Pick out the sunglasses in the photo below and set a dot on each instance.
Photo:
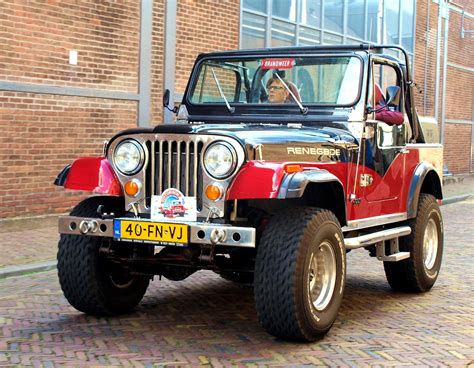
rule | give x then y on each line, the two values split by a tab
275	88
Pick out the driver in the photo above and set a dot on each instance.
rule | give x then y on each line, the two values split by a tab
278	93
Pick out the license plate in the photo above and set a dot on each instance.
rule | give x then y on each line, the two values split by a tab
159	232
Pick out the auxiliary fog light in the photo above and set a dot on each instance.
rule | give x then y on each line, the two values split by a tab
133	187
214	192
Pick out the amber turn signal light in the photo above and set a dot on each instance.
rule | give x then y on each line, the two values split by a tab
214	192
290	169
132	187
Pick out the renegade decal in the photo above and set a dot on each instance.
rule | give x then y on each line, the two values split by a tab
316	151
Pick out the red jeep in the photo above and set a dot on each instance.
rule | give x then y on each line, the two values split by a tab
175	209
295	157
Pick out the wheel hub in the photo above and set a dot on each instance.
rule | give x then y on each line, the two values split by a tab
322	275
430	244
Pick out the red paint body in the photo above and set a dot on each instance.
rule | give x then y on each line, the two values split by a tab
93	174
387	194
257	179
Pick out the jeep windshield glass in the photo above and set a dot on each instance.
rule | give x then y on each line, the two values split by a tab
310	80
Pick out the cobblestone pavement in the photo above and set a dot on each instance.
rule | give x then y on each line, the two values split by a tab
28	241
206	320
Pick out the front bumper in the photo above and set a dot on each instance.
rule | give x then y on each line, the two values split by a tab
199	232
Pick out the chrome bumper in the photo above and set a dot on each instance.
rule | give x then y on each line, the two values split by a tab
199	232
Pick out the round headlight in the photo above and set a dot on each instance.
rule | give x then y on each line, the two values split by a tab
220	160
129	157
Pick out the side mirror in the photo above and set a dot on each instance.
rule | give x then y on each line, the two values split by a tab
166	101
166	98
393	96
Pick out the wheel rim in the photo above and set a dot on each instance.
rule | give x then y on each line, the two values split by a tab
430	244
322	275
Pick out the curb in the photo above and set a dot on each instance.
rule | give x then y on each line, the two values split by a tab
11	271
20	270
458	198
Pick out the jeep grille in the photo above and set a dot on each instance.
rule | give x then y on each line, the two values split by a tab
175	164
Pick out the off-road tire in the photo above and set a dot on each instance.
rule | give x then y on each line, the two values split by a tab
84	272
411	274
283	272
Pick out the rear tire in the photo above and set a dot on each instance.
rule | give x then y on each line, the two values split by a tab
425	244
90	282
300	274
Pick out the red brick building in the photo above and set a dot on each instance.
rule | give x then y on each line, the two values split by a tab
72	73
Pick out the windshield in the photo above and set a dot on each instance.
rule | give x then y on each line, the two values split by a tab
305	80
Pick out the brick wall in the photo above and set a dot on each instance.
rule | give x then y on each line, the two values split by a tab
41	133
37	37
204	26
459	81
457	139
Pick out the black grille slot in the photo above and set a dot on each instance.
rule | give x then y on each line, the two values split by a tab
174	164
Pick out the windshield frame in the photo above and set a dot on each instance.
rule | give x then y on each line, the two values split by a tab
265	107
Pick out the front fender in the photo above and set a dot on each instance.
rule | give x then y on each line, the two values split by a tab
269	180
91	174
257	180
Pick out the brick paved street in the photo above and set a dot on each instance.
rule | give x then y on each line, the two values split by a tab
205	320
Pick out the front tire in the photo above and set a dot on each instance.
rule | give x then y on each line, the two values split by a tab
425	244
90	282
300	274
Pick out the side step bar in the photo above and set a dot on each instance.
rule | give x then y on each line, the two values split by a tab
378	238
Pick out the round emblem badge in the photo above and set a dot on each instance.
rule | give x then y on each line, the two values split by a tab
172	203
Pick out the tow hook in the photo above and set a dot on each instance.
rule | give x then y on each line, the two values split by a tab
88	226
217	236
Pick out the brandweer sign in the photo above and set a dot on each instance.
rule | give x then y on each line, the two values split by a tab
278	63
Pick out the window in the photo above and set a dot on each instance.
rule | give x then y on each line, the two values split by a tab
333	81
267	23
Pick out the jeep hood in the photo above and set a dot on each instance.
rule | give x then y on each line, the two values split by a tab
273	142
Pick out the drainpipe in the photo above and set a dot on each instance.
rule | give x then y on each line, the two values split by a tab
438	56
171	10
445	72
425	82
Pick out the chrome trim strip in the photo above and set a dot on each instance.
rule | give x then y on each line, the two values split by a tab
170	156
195	174
160	174
152	169
186	192
424	145
379	236
178	164
374	221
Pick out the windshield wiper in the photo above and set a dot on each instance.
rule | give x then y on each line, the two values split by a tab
230	108
303	109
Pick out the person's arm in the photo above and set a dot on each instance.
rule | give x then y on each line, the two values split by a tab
389	117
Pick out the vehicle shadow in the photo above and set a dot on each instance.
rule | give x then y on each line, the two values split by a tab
219	317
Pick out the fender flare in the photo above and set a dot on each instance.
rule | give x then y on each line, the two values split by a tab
294	185
421	172
91	174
